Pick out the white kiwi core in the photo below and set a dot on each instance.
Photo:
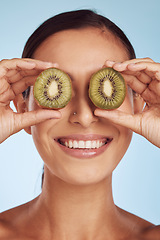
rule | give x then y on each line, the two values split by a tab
107	88
53	89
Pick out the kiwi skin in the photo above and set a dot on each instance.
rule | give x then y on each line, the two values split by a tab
118	96
39	82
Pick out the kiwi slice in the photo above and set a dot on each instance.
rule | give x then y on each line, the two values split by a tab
53	89
107	89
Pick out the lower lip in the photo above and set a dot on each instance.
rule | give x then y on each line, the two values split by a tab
84	153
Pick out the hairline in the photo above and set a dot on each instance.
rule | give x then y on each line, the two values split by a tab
107	33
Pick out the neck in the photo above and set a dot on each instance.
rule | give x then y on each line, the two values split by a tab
78	212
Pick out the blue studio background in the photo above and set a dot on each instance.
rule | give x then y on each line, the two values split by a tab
137	178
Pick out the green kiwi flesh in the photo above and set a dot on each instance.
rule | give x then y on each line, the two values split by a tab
107	88
53	89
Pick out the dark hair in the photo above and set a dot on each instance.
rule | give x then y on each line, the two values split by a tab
73	20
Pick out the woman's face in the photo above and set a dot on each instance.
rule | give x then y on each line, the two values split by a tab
81	148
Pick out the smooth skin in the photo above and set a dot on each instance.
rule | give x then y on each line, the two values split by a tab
76	200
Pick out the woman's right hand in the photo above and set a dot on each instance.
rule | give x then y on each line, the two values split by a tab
16	75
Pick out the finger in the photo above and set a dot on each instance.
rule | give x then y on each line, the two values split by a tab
13	75
14	64
136	75
122	66
41	64
140	75
136	80
151	69
154	86
20	86
151	97
24	63
134	83
132	122
18	74
28	119
8	67
9	92
149	92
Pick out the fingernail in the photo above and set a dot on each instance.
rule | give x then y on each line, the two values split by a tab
118	63
48	63
98	111
57	115
31	63
132	64
108	62
52	114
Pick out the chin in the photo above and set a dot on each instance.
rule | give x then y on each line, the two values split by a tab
81	173
86	160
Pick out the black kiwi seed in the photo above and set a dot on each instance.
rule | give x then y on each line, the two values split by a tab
53	89
107	88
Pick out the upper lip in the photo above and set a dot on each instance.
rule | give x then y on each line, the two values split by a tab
84	137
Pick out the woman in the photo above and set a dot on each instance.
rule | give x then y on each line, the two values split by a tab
76	200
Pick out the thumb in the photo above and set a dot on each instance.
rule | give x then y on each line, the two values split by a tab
27	119
127	120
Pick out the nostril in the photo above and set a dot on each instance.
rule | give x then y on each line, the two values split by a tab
77	122
84	112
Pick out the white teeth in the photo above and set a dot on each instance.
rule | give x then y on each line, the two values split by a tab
81	144
94	144
70	145
75	144
88	144
98	144
84	144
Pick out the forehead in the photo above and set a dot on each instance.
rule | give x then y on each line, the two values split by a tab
81	46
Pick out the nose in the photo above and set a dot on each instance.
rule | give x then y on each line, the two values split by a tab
83	112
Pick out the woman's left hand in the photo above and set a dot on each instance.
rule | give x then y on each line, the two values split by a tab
143	76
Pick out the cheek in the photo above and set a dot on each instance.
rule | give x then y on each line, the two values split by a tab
124	141
43	140
40	139
120	145
130	98
39	132
128	105
31	104
125	133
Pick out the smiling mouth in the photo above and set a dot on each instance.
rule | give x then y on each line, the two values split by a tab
84	144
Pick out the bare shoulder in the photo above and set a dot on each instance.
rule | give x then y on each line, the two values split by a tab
141	229
13	221
6	229
152	233
4	234
8	221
